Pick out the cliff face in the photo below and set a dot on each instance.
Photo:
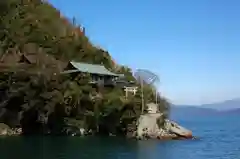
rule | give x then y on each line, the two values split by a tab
148	126
36	43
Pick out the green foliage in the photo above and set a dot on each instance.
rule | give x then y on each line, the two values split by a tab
34	26
126	71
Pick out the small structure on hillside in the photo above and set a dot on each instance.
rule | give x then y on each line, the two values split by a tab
152	108
98	73
130	89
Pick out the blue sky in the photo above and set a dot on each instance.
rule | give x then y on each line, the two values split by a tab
194	46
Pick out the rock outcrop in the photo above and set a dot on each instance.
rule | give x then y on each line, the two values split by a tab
148	126
5	130
173	127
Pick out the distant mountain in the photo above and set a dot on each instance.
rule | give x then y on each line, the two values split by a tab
185	111
232	111
224	106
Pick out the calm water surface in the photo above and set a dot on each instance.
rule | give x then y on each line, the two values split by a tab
220	139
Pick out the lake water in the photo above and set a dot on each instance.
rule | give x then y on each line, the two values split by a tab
219	139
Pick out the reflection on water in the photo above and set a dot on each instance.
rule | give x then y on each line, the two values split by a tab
219	139
145	149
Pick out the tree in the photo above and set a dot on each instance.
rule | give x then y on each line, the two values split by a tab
38	92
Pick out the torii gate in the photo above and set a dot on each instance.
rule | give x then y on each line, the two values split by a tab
130	89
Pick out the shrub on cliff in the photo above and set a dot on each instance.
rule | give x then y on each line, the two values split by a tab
38	94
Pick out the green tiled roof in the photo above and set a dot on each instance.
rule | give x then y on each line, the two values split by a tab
90	68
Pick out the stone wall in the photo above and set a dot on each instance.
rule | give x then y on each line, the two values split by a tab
148	127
